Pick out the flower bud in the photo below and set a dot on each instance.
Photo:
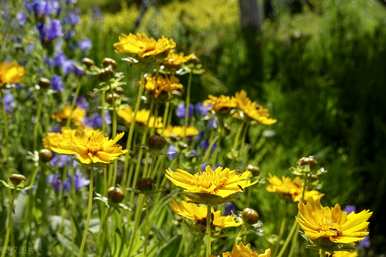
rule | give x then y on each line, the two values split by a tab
45	155
309	160
254	169
250	216
119	90
156	142
106	73
44	83
16	179
112	97
109	62
115	194
145	184
88	62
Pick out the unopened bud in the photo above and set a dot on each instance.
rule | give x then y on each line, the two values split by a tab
45	155
112	97
156	142
16	179
119	90
310	160
88	62
106	73
250	216
254	169
145	184
109	62
115	194
44	83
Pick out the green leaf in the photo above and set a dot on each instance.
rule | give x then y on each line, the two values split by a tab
68	244
170	248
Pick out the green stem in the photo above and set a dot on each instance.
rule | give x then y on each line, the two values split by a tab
89	212
138	212
288	240
5	131
187	100
9	227
208	232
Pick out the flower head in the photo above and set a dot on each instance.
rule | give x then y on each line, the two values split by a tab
175	60
240	250
11	73
178	132
344	254
76	115
331	223
142	117
88	145
198	213
210	186
253	110
220	103
292	188
159	84
143	46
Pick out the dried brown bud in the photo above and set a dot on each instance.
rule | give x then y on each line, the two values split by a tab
44	83
45	155
88	62
109	62
309	160
106	73
16	179
115	194
145	184
250	216
156	142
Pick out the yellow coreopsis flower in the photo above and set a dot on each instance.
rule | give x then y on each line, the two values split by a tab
175	60
88	145
253	110
331	223
11	72
142	117
143	46
159	84
292	188
344	254
178	132
221	103
74	114
210	186
240	250
198	213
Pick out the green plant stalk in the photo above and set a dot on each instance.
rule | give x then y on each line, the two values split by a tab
187	100
89	212
5	131
288	240
281	231
140	201
9	231
208	251
236	141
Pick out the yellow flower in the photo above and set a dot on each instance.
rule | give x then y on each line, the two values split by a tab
176	60
11	72
331	223
240	250
221	103
158	84
345	254
142	45
75	114
198	213
178	131
88	145
210	186
292	188
142	117
253	110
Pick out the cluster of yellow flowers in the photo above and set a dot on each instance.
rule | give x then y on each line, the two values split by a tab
11	73
240	102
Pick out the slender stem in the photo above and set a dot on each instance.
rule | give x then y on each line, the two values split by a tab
187	100
140	202
288	240
9	226
208	231
37	124
5	124
321	253
89	212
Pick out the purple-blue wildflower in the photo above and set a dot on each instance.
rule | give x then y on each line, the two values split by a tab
180	111
172	152
57	83
9	102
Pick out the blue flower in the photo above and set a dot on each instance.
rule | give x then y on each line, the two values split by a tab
43	8
62	161
229	209
82	102
80	181
58	184
72	18
180	111
57	83
213	123
201	109
9	102
21	18
85	45
350	208
365	243
50	30
172	152
55	181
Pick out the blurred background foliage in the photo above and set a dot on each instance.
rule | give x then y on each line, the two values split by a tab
324	78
